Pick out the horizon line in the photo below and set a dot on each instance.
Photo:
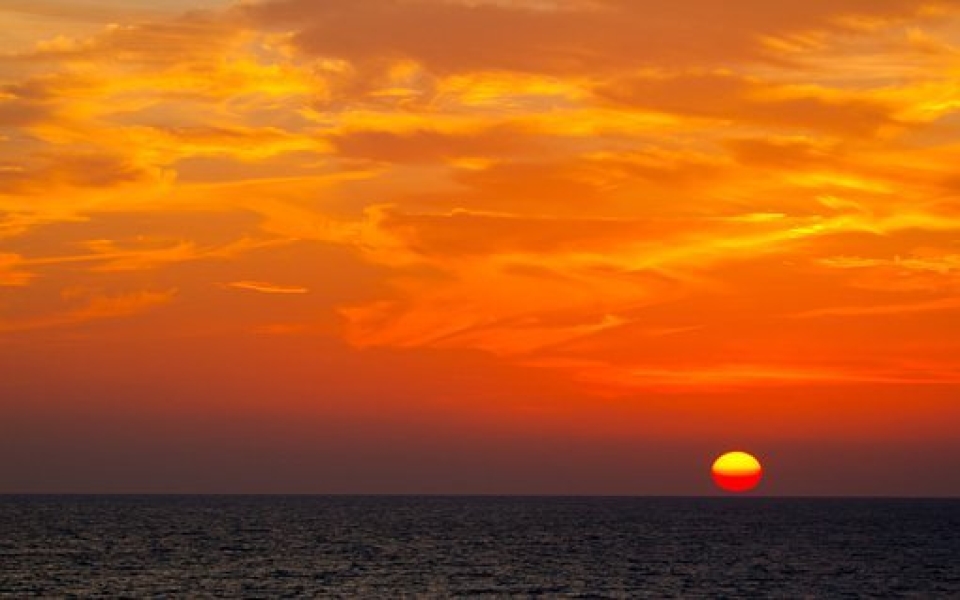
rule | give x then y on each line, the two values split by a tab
485	495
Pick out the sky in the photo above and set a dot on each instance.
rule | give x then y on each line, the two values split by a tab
479	246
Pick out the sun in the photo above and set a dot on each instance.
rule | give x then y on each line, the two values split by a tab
737	471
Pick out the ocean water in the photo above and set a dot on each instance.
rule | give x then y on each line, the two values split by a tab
394	547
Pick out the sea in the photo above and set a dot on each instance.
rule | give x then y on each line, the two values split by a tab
477	547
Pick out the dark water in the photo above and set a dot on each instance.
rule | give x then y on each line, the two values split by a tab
390	547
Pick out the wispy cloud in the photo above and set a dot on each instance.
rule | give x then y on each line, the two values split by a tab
94	307
267	288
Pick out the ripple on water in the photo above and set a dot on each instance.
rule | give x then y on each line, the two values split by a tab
430	546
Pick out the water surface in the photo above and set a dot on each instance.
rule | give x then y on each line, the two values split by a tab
292	546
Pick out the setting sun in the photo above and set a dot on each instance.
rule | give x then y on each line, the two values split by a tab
737	472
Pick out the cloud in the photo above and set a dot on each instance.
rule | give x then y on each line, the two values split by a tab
722	378
724	97
535	180
80	171
940	304
160	42
17	112
796	152
268	288
578	37
426	146
95	307
11	272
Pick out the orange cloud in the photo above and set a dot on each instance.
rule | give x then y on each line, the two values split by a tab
581	36
725	97
11	272
634	193
267	288
95	307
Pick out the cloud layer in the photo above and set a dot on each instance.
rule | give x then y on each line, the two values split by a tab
636	197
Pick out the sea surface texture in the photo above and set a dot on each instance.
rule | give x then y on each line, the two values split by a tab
393	547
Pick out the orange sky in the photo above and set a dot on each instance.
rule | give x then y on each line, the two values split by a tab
491	246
